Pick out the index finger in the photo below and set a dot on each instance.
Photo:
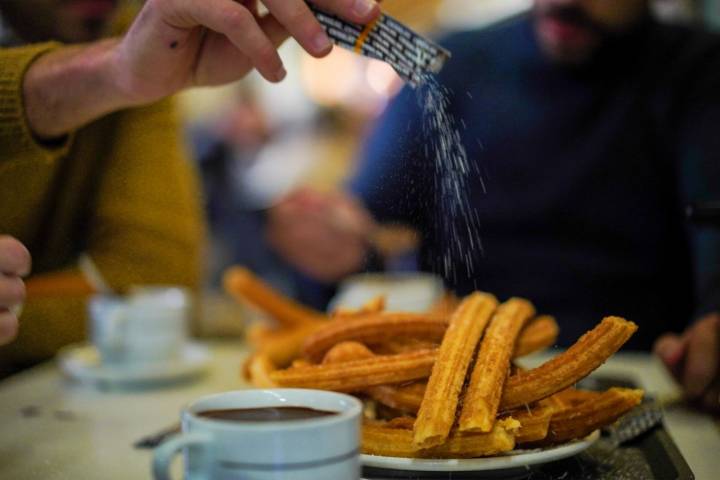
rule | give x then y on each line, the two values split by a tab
297	18
241	27
14	257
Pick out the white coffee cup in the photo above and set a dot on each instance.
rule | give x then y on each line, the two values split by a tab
319	448
148	326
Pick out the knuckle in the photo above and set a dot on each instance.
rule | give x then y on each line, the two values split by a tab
267	54
13	291
16	257
298	14
237	18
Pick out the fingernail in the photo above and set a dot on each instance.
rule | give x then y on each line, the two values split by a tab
321	43
281	73
363	7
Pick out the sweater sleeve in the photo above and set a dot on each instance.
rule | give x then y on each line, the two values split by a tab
147	225
16	139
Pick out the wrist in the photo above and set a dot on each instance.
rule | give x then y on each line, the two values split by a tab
67	88
125	81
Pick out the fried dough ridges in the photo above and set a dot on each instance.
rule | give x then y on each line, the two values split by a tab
581	420
482	395
537	335
359	374
567	368
242	284
437	410
412	371
391	441
373	328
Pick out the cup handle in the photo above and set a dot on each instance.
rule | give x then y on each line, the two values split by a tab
164	454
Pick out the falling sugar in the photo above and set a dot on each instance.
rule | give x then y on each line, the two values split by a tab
453	176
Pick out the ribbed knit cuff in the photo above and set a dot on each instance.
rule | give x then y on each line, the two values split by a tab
16	137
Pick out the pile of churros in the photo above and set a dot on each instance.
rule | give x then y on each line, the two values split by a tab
441	384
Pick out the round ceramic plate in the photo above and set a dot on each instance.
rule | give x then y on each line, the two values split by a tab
510	461
82	362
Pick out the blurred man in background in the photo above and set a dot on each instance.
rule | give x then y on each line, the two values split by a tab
93	177
592	126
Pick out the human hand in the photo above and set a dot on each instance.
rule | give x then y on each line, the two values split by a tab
14	264
324	235
174	44
694	360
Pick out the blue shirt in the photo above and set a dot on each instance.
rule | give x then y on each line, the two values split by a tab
586	172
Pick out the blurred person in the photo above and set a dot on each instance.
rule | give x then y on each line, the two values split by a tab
225	148
93	177
593	126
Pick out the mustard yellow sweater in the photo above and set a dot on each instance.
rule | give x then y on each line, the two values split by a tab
120	190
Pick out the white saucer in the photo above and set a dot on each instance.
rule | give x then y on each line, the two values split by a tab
82	362
517	459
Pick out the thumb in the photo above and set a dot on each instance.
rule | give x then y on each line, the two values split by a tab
671	350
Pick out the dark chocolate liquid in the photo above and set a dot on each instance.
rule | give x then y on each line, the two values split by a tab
265	414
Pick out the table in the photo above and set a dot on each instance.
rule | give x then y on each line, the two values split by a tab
53	428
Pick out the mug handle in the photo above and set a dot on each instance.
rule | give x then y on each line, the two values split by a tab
164	454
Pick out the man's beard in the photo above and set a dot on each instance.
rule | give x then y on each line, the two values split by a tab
576	16
568	34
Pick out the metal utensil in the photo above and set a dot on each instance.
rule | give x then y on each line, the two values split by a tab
642	419
152	441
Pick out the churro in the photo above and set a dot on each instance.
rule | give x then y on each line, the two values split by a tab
572	397
567	368
437	410
242	284
347	352
374	305
482	396
445	306
400	422
403	345
299	363
359	374
372	328
405	398
534	422
538	334
391	441
282	346
257	370
583	419
411	369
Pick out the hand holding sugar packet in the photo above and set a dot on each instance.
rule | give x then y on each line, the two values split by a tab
412	56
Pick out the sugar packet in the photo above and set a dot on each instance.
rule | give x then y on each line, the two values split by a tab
412	56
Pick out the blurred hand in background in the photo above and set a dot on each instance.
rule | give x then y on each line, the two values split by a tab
325	235
14	264
694	360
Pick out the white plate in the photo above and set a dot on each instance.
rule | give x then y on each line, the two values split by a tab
404	292
82	362
513	460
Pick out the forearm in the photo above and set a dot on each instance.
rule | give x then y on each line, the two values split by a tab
72	86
